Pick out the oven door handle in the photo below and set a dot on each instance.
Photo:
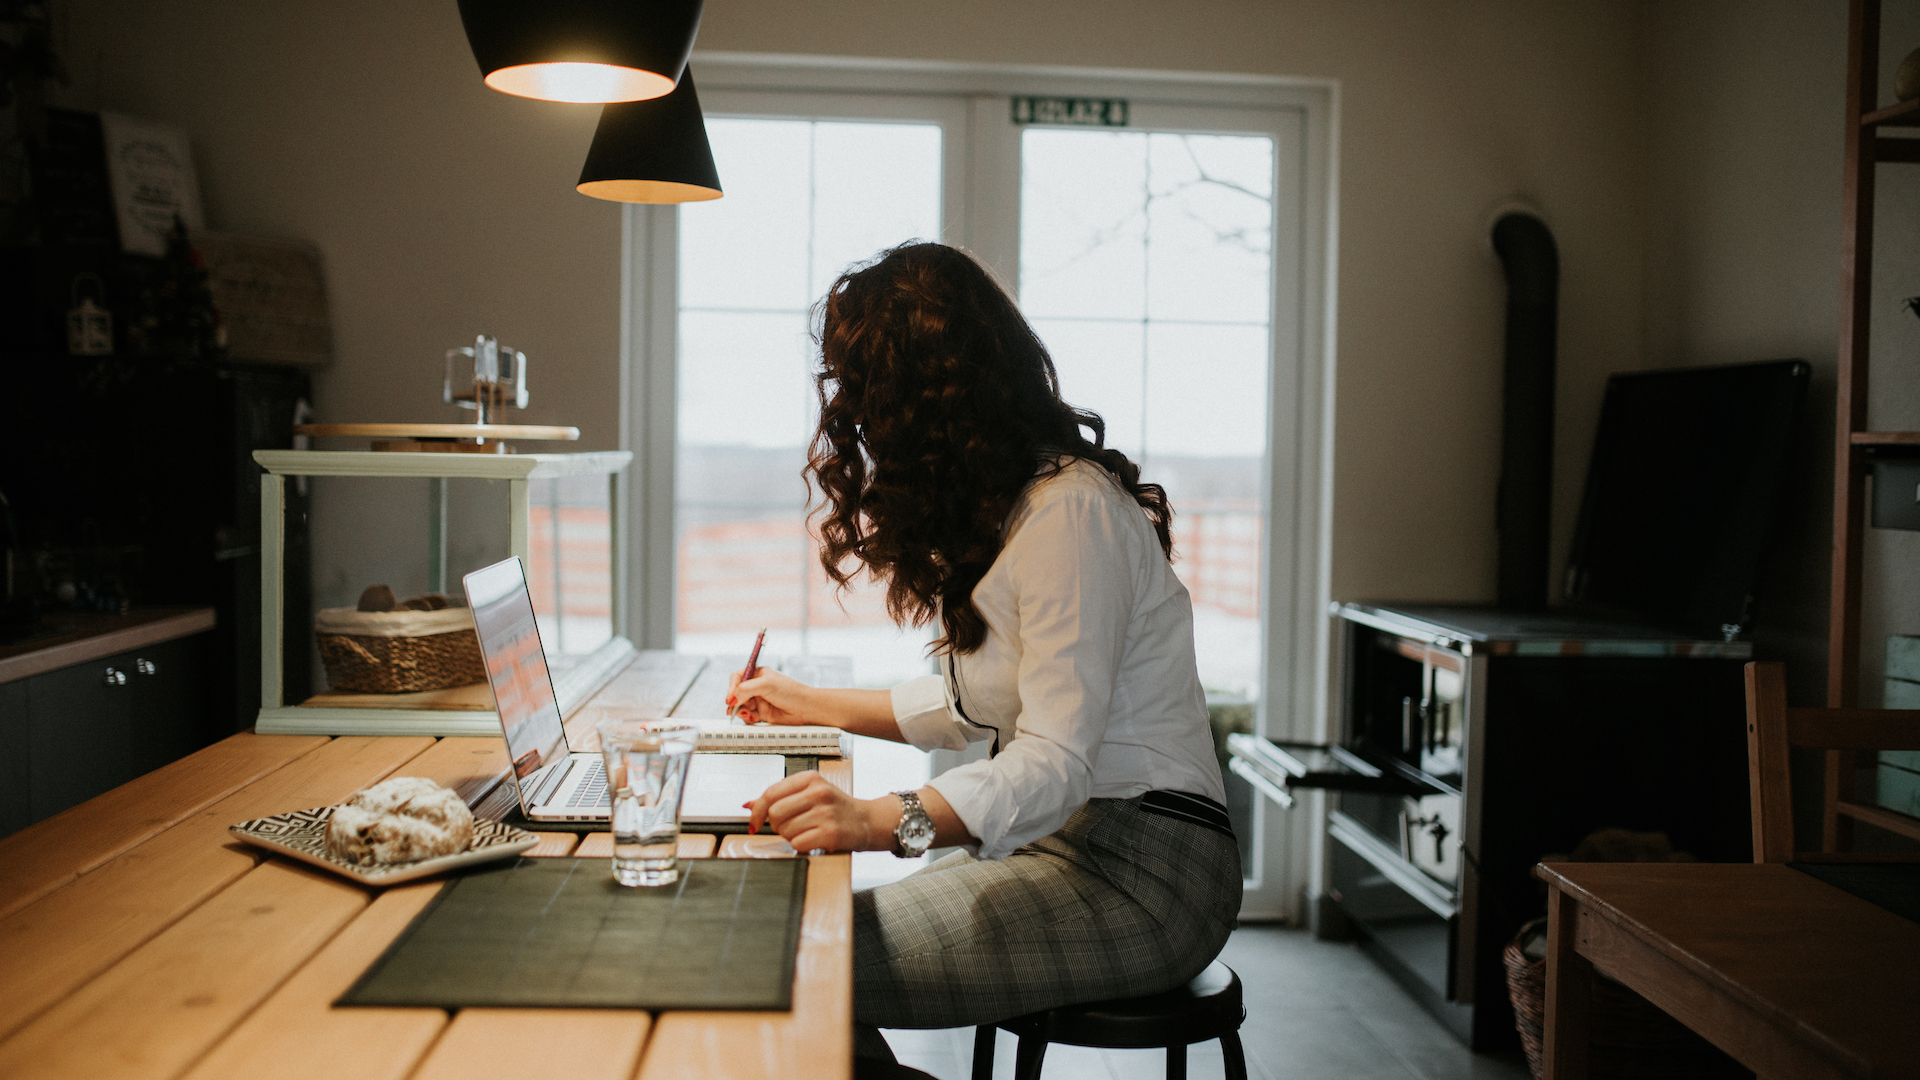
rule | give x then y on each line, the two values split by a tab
1368	785
1276	768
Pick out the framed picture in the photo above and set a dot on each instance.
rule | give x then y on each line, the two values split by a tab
151	168
271	295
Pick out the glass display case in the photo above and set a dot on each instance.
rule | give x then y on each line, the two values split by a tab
562	521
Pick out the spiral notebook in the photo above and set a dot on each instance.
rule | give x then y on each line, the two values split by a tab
732	737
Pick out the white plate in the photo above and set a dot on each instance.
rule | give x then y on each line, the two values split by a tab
303	835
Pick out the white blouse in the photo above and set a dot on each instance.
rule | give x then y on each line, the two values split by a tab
1086	678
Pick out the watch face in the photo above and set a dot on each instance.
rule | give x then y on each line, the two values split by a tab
916	832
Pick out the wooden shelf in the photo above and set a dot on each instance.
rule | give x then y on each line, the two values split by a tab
1891	820
1886	438
1904	114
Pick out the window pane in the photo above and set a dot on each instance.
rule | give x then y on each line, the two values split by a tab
1145	262
570	565
804	199
1211	237
1082	228
875	186
1100	363
764	212
745	380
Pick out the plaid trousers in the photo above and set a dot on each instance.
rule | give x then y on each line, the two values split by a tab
1119	902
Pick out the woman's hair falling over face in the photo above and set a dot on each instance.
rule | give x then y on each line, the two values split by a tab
938	405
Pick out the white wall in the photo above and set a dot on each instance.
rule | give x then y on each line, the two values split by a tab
444	208
1745	107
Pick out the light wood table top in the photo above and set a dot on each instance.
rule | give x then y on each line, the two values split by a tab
142	941
1789	975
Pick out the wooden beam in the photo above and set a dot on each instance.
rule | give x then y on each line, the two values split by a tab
1850	405
1769	773
1854	729
577	1044
1569	991
42	857
57	944
1891	820
155	1012
814	1040
1856	319
297	1034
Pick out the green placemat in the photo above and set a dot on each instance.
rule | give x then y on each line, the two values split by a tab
559	932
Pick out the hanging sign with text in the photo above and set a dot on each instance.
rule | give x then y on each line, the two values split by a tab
1076	112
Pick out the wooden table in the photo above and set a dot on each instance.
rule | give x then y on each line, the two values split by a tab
139	940
1789	975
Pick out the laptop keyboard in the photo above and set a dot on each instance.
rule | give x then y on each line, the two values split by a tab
592	791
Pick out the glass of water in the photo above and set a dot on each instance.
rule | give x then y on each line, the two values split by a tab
646	764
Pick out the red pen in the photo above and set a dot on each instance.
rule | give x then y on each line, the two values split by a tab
753	661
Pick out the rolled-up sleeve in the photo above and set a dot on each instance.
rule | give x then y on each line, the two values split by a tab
1071	567
924	712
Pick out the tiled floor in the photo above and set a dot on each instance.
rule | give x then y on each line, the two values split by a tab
1314	1010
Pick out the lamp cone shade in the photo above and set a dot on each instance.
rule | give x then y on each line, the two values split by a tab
652	151
581	50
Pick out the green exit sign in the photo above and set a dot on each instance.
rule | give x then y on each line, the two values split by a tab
1077	112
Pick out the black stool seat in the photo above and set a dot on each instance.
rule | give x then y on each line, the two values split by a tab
1207	1007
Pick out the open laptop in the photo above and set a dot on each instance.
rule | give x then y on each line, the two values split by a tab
554	782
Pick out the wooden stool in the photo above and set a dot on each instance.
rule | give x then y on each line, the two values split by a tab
1207	1007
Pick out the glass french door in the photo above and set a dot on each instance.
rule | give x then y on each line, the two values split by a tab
805	199
1146	265
1161	265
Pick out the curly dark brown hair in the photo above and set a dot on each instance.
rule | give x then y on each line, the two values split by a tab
938	406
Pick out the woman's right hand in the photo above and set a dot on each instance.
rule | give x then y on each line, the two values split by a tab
772	698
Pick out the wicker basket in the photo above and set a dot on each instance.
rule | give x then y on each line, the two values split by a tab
1627	1035
405	652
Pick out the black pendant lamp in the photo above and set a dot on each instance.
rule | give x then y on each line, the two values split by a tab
652	151
581	50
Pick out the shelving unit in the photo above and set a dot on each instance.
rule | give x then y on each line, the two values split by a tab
1854	445
460	711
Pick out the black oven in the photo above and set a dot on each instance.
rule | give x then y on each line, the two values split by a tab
1468	744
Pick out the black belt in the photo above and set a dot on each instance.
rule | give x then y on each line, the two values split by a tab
1197	809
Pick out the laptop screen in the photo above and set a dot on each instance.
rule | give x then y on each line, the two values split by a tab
516	666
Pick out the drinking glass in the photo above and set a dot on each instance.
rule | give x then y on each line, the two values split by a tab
646	777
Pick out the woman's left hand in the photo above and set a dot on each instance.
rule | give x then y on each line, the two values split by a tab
812	814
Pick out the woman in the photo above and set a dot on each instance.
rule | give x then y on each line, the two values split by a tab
1097	860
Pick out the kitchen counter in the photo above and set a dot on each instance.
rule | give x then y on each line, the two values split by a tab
77	637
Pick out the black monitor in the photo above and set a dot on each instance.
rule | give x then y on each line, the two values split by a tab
1683	491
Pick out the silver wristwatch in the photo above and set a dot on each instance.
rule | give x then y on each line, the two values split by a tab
914	834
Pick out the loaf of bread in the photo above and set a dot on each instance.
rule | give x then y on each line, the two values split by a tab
404	819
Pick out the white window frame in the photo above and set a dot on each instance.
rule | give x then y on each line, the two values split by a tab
980	211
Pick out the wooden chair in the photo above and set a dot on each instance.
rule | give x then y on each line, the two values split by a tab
1207	1007
1774	728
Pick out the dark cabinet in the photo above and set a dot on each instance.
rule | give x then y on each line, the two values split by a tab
146	469
83	730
